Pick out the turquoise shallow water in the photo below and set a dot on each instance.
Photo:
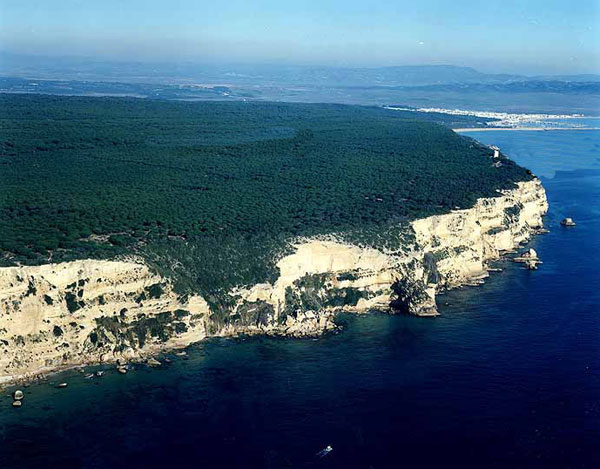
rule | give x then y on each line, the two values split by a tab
508	376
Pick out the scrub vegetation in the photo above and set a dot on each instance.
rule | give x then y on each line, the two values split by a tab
211	193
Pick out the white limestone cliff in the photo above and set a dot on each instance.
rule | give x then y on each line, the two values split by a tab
59	315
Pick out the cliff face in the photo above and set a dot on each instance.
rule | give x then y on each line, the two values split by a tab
449	250
460	243
60	315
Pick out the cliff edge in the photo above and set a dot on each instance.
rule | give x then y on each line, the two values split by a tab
60	315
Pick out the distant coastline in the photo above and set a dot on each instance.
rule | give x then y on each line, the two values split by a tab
536	129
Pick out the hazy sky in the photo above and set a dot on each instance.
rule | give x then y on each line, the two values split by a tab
527	36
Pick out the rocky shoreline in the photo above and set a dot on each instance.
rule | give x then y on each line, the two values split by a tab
59	316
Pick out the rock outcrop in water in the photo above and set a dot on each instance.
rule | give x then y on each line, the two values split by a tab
59	315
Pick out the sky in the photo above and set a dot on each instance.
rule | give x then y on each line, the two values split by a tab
526	36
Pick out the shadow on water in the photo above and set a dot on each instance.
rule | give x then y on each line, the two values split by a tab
508	376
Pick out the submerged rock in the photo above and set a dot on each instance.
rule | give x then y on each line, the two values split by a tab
531	265
153	362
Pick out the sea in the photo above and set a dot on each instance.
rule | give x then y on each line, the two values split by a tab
507	376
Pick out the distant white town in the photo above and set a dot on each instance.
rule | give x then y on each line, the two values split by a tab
502	119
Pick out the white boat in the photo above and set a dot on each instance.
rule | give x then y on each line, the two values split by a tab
325	451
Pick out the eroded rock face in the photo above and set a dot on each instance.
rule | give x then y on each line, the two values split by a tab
450	250
89	311
462	242
58	315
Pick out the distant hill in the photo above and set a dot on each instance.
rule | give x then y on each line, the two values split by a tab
415	85
533	86
587	77
76	68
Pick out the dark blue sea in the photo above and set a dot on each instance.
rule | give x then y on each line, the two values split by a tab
507	376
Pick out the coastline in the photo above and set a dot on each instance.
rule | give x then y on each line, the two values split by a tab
535	129
450	250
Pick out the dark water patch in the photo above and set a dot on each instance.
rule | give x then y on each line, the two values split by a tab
507	376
